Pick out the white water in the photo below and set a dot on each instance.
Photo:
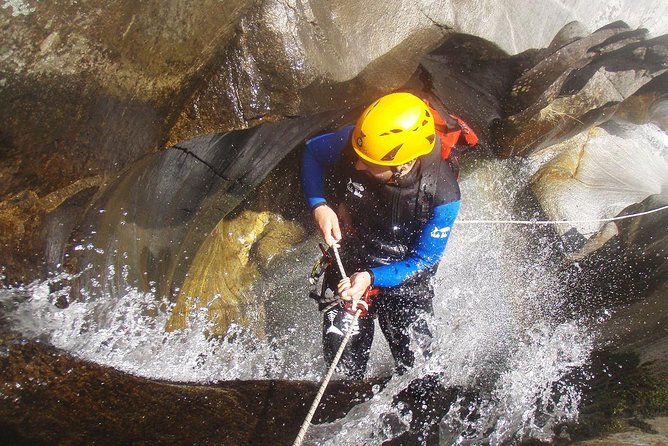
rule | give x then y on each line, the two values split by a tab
495	331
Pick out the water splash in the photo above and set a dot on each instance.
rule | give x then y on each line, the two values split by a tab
497	331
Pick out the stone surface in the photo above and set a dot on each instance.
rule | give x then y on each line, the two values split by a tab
621	287
49	397
639	254
469	77
598	173
294	58
158	226
578	86
24	223
226	266
617	269
92	87
635	436
517	25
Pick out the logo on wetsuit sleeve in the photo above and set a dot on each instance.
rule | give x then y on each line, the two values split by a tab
440	232
355	188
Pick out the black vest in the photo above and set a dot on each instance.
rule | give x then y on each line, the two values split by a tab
388	218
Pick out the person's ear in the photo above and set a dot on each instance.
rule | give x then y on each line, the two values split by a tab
405	167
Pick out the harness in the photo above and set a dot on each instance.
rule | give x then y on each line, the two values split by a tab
320	292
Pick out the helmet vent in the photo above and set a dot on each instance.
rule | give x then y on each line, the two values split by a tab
389	156
431	138
391	131
426	112
424	122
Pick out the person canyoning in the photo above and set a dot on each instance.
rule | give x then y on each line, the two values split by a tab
381	192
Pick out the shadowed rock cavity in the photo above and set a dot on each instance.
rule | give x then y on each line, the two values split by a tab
146	229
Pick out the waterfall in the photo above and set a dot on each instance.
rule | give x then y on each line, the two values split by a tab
497	328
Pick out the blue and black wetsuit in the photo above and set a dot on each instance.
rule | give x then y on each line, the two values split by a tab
400	230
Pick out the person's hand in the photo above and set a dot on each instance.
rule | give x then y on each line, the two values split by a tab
363	305
354	287
328	223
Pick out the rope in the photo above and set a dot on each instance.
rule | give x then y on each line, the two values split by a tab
346	338
556	222
325	381
335	248
330	372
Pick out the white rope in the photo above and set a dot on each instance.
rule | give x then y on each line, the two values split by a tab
325	381
335	248
556	222
346	338
330	372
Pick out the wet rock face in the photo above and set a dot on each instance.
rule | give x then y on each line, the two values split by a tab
95	83
92	87
296	58
627	278
159	227
513	24
52	398
616	270
577	83
598	173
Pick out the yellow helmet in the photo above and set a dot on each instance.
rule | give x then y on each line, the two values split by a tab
394	130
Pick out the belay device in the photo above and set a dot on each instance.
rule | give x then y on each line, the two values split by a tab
322	291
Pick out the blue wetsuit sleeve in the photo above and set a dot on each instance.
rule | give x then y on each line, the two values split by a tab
427	251
321	151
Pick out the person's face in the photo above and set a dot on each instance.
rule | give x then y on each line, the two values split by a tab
380	173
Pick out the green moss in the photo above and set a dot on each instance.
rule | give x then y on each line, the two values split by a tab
646	394
619	393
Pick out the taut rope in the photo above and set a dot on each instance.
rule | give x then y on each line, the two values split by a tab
330	372
556	222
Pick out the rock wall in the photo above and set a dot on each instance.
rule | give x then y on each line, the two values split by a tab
94	90
577	82
92	87
517	25
53	398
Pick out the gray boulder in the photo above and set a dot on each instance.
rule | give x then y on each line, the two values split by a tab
573	87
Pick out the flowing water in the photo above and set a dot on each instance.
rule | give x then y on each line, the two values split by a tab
497	329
